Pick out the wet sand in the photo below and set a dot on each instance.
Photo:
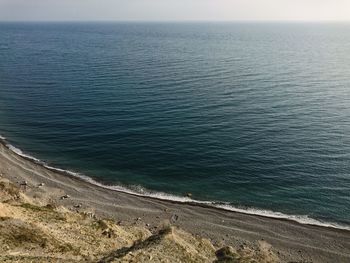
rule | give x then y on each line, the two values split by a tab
292	241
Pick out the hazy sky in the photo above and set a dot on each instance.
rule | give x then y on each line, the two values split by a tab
174	10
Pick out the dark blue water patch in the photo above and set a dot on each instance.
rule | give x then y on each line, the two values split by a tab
256	115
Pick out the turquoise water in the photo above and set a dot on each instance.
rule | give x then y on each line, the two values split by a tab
255	116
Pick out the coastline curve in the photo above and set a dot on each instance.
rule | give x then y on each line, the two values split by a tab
141	192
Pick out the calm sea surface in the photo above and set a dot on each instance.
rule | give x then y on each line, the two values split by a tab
253	115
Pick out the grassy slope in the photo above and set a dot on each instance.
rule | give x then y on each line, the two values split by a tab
32	232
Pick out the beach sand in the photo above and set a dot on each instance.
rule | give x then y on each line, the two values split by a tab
291	241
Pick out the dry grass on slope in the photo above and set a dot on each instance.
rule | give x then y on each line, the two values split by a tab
30	232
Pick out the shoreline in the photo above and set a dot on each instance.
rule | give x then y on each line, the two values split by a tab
293	240
301	219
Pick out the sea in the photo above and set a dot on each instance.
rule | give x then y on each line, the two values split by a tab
246	116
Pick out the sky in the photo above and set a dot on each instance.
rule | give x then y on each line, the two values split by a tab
174	10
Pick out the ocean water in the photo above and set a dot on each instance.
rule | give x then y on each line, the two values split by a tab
250	116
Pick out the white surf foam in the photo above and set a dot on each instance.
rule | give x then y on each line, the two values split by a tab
302	219
20	153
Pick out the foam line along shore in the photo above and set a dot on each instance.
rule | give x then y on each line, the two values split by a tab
142	192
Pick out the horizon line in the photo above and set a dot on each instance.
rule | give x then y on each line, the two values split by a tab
174	21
